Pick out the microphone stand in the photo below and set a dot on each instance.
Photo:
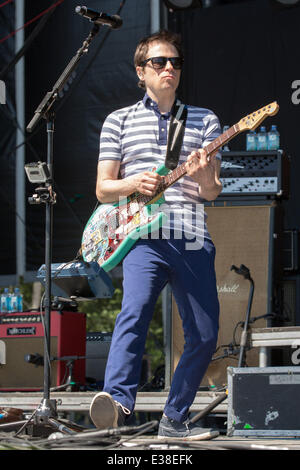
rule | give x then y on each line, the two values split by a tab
244	271
46	412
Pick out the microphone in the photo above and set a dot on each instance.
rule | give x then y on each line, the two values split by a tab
242	270
35	359
114	21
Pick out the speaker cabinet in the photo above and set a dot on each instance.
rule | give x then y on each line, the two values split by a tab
248	235
22	334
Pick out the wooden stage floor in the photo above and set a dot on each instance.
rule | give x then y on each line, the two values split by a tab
72	403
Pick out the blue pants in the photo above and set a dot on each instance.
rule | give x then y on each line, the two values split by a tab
146	269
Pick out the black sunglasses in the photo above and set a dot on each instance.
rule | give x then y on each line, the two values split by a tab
161	62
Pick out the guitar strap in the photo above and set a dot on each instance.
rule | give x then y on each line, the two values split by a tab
176	133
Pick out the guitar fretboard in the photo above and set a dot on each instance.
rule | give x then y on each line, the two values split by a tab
222	139
180	171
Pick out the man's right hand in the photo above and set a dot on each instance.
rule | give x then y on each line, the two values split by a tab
110	187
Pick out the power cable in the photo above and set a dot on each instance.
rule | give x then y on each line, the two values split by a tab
27	43
30	21
5	3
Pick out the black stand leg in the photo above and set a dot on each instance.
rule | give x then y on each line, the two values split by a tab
245	272
44	419
48	261
47	411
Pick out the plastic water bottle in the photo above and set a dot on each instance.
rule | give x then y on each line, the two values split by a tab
14	302
225	148
3	307
262	139
273	138
17	301
6	301
251	141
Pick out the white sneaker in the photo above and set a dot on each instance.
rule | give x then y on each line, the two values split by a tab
105	412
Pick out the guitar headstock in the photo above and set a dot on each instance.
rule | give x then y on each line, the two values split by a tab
254	119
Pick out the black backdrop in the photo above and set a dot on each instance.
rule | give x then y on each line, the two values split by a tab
7	147
104	80
240	57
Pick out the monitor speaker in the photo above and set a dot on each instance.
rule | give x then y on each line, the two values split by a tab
97	349
248	235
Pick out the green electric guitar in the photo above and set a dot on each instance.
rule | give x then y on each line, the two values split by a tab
113	229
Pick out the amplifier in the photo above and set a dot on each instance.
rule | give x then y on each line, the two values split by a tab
233	227
261	173
97	349
22	338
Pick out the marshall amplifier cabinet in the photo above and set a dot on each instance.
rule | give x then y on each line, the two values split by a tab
260	174
22	349
248	234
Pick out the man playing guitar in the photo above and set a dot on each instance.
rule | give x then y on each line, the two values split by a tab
134	141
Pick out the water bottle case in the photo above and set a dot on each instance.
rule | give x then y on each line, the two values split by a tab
11	303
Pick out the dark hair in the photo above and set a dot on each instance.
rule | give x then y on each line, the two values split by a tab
161	36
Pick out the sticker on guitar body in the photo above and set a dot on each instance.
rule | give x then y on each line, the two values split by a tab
113	228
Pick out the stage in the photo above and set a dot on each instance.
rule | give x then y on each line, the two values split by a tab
133	438
68	402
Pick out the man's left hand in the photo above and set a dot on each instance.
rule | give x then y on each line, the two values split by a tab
202	167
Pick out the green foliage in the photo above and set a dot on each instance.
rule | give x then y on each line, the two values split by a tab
101	313
101	316
26	290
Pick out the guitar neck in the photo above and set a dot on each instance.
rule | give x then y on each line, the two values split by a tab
180	170
217	143
251	121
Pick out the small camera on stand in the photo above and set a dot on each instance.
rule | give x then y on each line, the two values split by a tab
38	173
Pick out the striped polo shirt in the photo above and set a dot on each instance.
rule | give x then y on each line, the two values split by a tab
136	136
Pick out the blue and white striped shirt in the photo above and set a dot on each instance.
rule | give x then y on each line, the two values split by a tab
136	136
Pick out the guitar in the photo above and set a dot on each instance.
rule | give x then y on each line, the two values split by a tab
113	229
